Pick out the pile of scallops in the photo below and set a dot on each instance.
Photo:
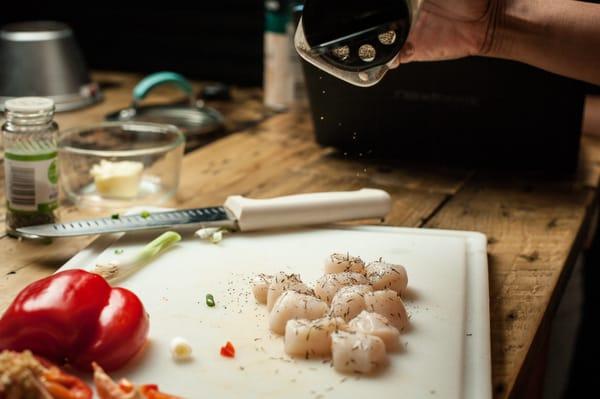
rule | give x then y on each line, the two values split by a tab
354	314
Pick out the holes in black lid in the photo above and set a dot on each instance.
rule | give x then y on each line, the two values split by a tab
342	52
387	38
367	52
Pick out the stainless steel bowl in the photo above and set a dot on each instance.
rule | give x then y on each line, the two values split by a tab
41	58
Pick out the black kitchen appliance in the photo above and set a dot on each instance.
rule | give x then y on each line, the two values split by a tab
472	112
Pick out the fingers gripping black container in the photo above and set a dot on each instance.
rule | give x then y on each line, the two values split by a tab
471	112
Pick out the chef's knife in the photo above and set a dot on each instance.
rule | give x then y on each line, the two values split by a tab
238	213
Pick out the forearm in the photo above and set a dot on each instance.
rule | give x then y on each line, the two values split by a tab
561	36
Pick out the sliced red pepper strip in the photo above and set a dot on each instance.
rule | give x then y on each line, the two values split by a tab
150	391
148	387
62	385
126	385
228	350
108	389
60	391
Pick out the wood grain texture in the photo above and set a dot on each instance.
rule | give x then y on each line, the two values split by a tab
536	226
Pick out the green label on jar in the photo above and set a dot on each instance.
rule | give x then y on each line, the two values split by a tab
30	157
53	172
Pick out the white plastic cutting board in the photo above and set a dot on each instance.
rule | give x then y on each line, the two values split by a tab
446	350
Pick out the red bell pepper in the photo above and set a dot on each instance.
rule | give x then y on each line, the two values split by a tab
75	316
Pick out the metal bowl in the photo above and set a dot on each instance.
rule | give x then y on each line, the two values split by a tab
41	58
199	123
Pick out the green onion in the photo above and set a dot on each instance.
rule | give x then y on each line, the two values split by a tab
210	300
118	269
212	234
145	214
119	251
160	243
115	216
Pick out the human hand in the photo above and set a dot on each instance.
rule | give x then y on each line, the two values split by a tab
556	35
449	29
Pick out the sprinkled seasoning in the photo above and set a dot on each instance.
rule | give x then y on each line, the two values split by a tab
346	283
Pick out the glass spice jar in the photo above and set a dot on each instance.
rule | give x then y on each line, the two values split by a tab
30	162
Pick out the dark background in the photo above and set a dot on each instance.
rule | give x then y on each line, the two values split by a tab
219	40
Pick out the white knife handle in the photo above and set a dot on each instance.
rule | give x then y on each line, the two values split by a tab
308	209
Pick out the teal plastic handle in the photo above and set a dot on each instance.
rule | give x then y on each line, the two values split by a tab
146	85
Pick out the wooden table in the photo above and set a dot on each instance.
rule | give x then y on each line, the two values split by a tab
536	225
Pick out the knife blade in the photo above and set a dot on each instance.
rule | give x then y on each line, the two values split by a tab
238	213
212	216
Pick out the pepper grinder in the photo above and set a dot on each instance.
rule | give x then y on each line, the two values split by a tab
354	40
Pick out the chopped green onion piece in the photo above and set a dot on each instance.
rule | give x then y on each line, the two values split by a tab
161	243
145	214
206	232
210	300
115	216
119	251
122	268
217	237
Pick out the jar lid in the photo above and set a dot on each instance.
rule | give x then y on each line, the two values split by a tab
29	105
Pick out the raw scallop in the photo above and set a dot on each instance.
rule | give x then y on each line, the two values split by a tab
293	305
308	339
329	284
338	263
357	352
383	276
349	301
375	324
388	304
285	282
260	287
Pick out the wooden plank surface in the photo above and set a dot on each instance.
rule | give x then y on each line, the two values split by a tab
536	225
533	229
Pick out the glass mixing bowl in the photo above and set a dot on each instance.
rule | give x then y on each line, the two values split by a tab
115	165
